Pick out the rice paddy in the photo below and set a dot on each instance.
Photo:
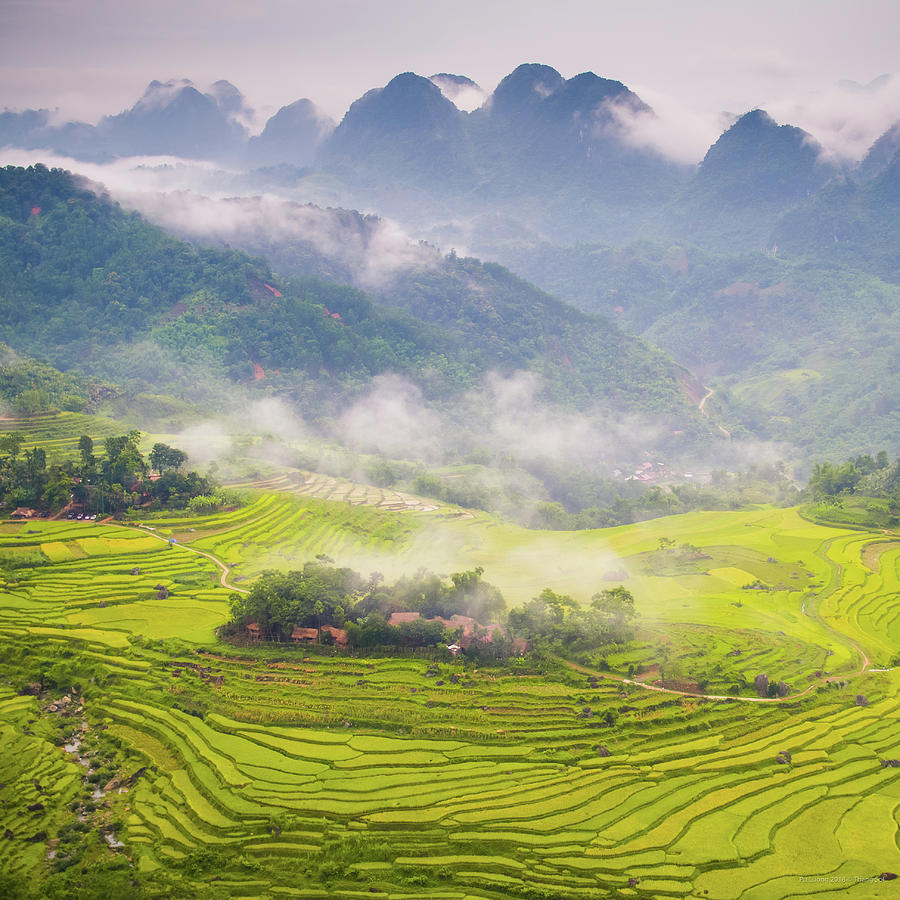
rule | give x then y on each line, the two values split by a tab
57	433
274	771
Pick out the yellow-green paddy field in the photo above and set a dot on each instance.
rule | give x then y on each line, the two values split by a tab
277	771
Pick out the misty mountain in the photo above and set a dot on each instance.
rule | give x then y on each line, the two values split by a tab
752	174
562	144
482	306
550	151
34	129
798	349
555	156
799	352
171	118
406	132
880	153
174	118
85	282
849	224
16	128
90	287
291	137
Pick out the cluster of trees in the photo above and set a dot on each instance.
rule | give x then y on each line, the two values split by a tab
27	480
322	594
872	476
108	483
119	479
557	621
863	491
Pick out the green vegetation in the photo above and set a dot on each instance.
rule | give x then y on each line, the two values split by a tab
677	691
28	387
864	491
232	771
798	348
323	595
97	289
113	483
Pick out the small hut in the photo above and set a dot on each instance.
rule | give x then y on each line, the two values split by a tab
338	635
306	635
400	618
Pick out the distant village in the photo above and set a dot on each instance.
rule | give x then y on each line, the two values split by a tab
660	473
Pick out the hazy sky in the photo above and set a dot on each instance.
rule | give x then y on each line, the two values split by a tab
89	57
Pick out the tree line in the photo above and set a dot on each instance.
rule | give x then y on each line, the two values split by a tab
322	594
108	483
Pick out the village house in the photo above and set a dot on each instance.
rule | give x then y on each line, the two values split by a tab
315	635
469	630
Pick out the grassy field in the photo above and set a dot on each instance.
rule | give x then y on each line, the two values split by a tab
274	771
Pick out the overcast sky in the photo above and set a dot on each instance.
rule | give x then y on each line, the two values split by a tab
693	57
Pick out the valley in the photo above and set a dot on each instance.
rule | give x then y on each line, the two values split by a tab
478	494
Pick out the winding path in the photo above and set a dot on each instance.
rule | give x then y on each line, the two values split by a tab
662	690
702	407
223	578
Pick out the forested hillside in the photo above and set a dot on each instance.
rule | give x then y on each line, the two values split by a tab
802	349
91	287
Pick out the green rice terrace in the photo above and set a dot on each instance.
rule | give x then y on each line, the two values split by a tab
142	756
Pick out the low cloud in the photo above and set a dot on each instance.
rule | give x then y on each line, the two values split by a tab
130	175
391	419
672	128
846	118
205	203
464	93
271	416
205	443
514	421
370	249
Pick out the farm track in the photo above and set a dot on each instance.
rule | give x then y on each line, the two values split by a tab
223	579
726	697
835	582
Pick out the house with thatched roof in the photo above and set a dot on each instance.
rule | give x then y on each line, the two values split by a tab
470	631
401	618
308	635
315	635
338	635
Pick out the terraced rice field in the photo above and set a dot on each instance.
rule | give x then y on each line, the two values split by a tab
329	487
58	433
282	772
